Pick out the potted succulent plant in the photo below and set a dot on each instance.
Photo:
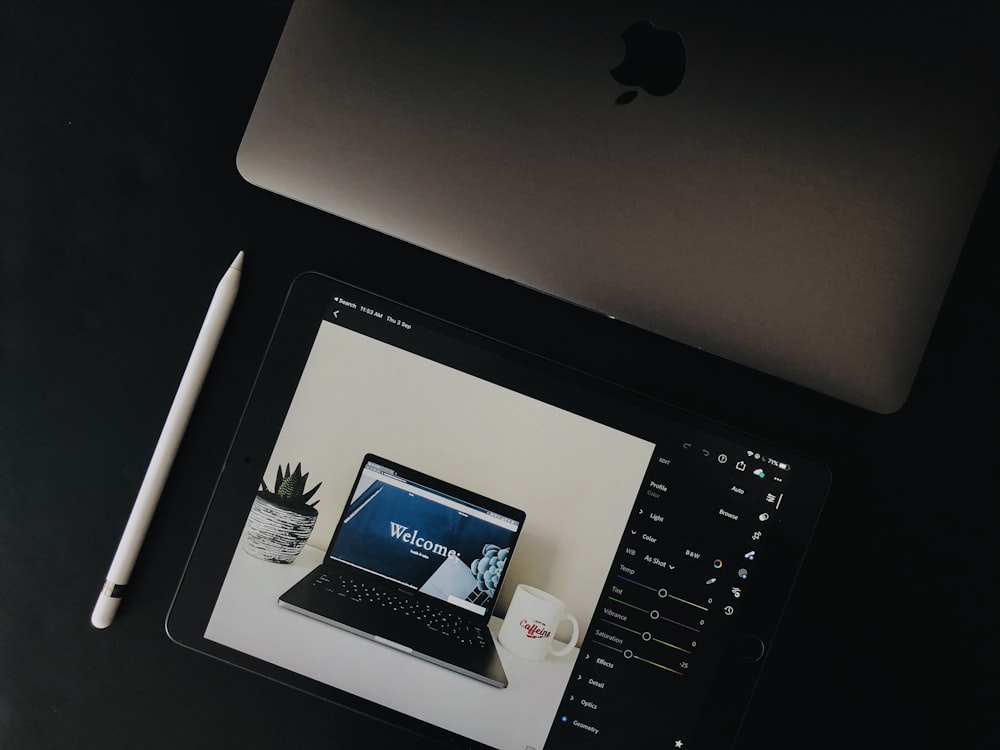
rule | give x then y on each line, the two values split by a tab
281	521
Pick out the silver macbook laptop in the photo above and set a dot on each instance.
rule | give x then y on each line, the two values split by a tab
782	186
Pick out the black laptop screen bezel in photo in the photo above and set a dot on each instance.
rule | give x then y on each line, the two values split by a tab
441	491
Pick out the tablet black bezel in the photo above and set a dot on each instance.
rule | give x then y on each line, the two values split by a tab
305	306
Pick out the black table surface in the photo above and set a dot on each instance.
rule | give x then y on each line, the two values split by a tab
120	206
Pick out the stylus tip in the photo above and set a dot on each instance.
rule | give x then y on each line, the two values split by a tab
104	611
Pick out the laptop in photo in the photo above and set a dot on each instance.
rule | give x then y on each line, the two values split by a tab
786	186
415	564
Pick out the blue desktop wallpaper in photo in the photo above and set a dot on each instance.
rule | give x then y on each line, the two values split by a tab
412	539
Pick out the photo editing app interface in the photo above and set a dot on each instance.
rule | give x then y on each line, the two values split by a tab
437	544
684	569
698	516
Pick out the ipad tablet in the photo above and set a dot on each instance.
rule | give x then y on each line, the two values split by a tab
385	466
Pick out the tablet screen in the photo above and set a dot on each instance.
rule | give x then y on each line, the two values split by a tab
654	549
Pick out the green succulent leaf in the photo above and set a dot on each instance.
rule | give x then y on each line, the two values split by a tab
290	487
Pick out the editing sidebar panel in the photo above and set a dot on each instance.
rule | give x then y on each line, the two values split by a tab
683	569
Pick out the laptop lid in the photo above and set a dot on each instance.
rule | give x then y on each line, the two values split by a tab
406	528
795	203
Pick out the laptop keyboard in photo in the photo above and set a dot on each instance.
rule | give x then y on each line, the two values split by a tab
445	623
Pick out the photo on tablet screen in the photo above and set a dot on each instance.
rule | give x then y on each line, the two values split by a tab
574	478
449	530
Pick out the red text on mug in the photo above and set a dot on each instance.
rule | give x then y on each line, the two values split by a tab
535	629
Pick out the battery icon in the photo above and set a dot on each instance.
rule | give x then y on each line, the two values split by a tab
783	466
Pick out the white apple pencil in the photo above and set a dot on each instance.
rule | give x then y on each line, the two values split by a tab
166	446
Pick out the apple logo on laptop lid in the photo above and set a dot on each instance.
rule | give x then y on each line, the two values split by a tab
655	61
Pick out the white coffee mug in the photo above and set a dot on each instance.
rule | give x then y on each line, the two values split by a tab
529	628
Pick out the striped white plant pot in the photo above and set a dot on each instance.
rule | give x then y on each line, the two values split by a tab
277	533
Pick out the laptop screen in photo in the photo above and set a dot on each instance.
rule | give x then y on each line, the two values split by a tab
423	539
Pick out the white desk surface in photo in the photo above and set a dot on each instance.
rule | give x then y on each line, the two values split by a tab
248	618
